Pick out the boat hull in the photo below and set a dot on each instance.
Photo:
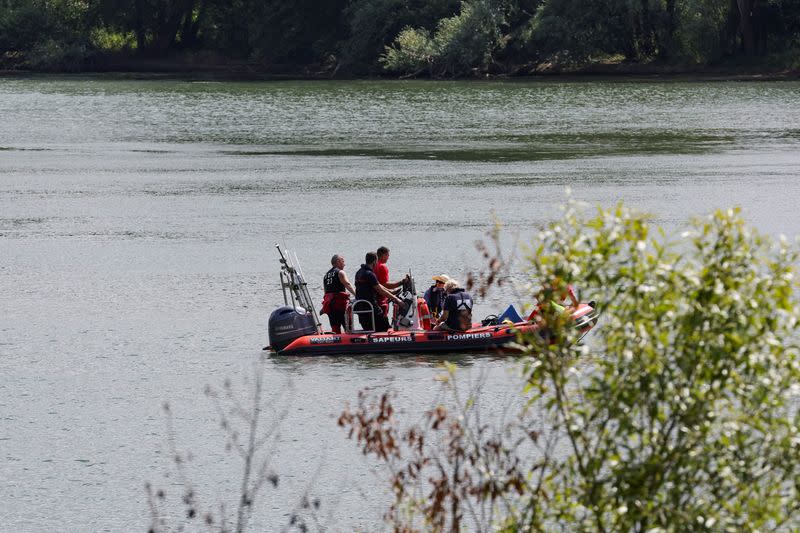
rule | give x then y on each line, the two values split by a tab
478	338
420	341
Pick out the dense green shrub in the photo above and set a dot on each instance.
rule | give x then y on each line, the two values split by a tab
700	34
461	43
111	41
440	38
468	40
50	35
374	24
687	416
681	414
52	55
413	52
21	26
574	31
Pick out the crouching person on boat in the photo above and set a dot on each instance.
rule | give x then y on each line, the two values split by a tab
457	312
334	303
555	297
368	288
435	295
556	302
562	293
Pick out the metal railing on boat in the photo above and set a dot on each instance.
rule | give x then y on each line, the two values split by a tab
350	317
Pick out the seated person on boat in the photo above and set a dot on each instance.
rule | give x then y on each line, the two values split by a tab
367	289
457	313
435	295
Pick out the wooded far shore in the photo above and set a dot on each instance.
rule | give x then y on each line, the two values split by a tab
439	39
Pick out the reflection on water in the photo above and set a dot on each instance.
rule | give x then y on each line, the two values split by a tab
137	231
544	147
530	121
404	360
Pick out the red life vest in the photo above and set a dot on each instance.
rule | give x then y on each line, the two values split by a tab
334	301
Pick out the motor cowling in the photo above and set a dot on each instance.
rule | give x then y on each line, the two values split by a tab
287	324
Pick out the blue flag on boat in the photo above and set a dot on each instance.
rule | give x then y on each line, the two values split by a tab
510	314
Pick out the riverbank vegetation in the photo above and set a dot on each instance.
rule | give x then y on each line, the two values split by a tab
680	414
435	38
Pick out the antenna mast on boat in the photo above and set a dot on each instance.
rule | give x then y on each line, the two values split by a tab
294	286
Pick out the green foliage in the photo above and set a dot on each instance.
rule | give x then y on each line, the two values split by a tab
110	41
461	43
52	35
303	32
57	55
413	52
21	26
680	414
441	38
685	416
469	39
574	31
374	24
370	24
700	35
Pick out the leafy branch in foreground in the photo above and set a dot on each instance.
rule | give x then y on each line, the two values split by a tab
680	415
251	434
454	470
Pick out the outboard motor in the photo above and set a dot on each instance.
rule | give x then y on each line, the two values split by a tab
289	323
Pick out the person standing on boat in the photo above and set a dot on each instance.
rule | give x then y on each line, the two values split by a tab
369	288
382	273
457	313
334	304
435	295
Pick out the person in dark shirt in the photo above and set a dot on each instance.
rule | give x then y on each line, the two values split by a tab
435	295
369	288
457	313
336	298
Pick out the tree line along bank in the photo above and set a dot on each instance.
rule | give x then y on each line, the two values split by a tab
434	38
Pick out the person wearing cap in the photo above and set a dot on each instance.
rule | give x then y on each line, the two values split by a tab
457	313
435	295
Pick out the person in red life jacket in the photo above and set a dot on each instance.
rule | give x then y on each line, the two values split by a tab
334	303
568	293
382	273
457	313
435	295
555	294
369	288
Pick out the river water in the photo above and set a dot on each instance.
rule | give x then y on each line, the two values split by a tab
137	265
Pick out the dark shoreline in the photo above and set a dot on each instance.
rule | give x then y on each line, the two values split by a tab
171	70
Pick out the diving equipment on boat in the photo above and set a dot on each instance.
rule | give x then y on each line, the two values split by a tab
294	285
407	314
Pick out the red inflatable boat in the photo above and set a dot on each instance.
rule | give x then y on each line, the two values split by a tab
478	338
295	328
